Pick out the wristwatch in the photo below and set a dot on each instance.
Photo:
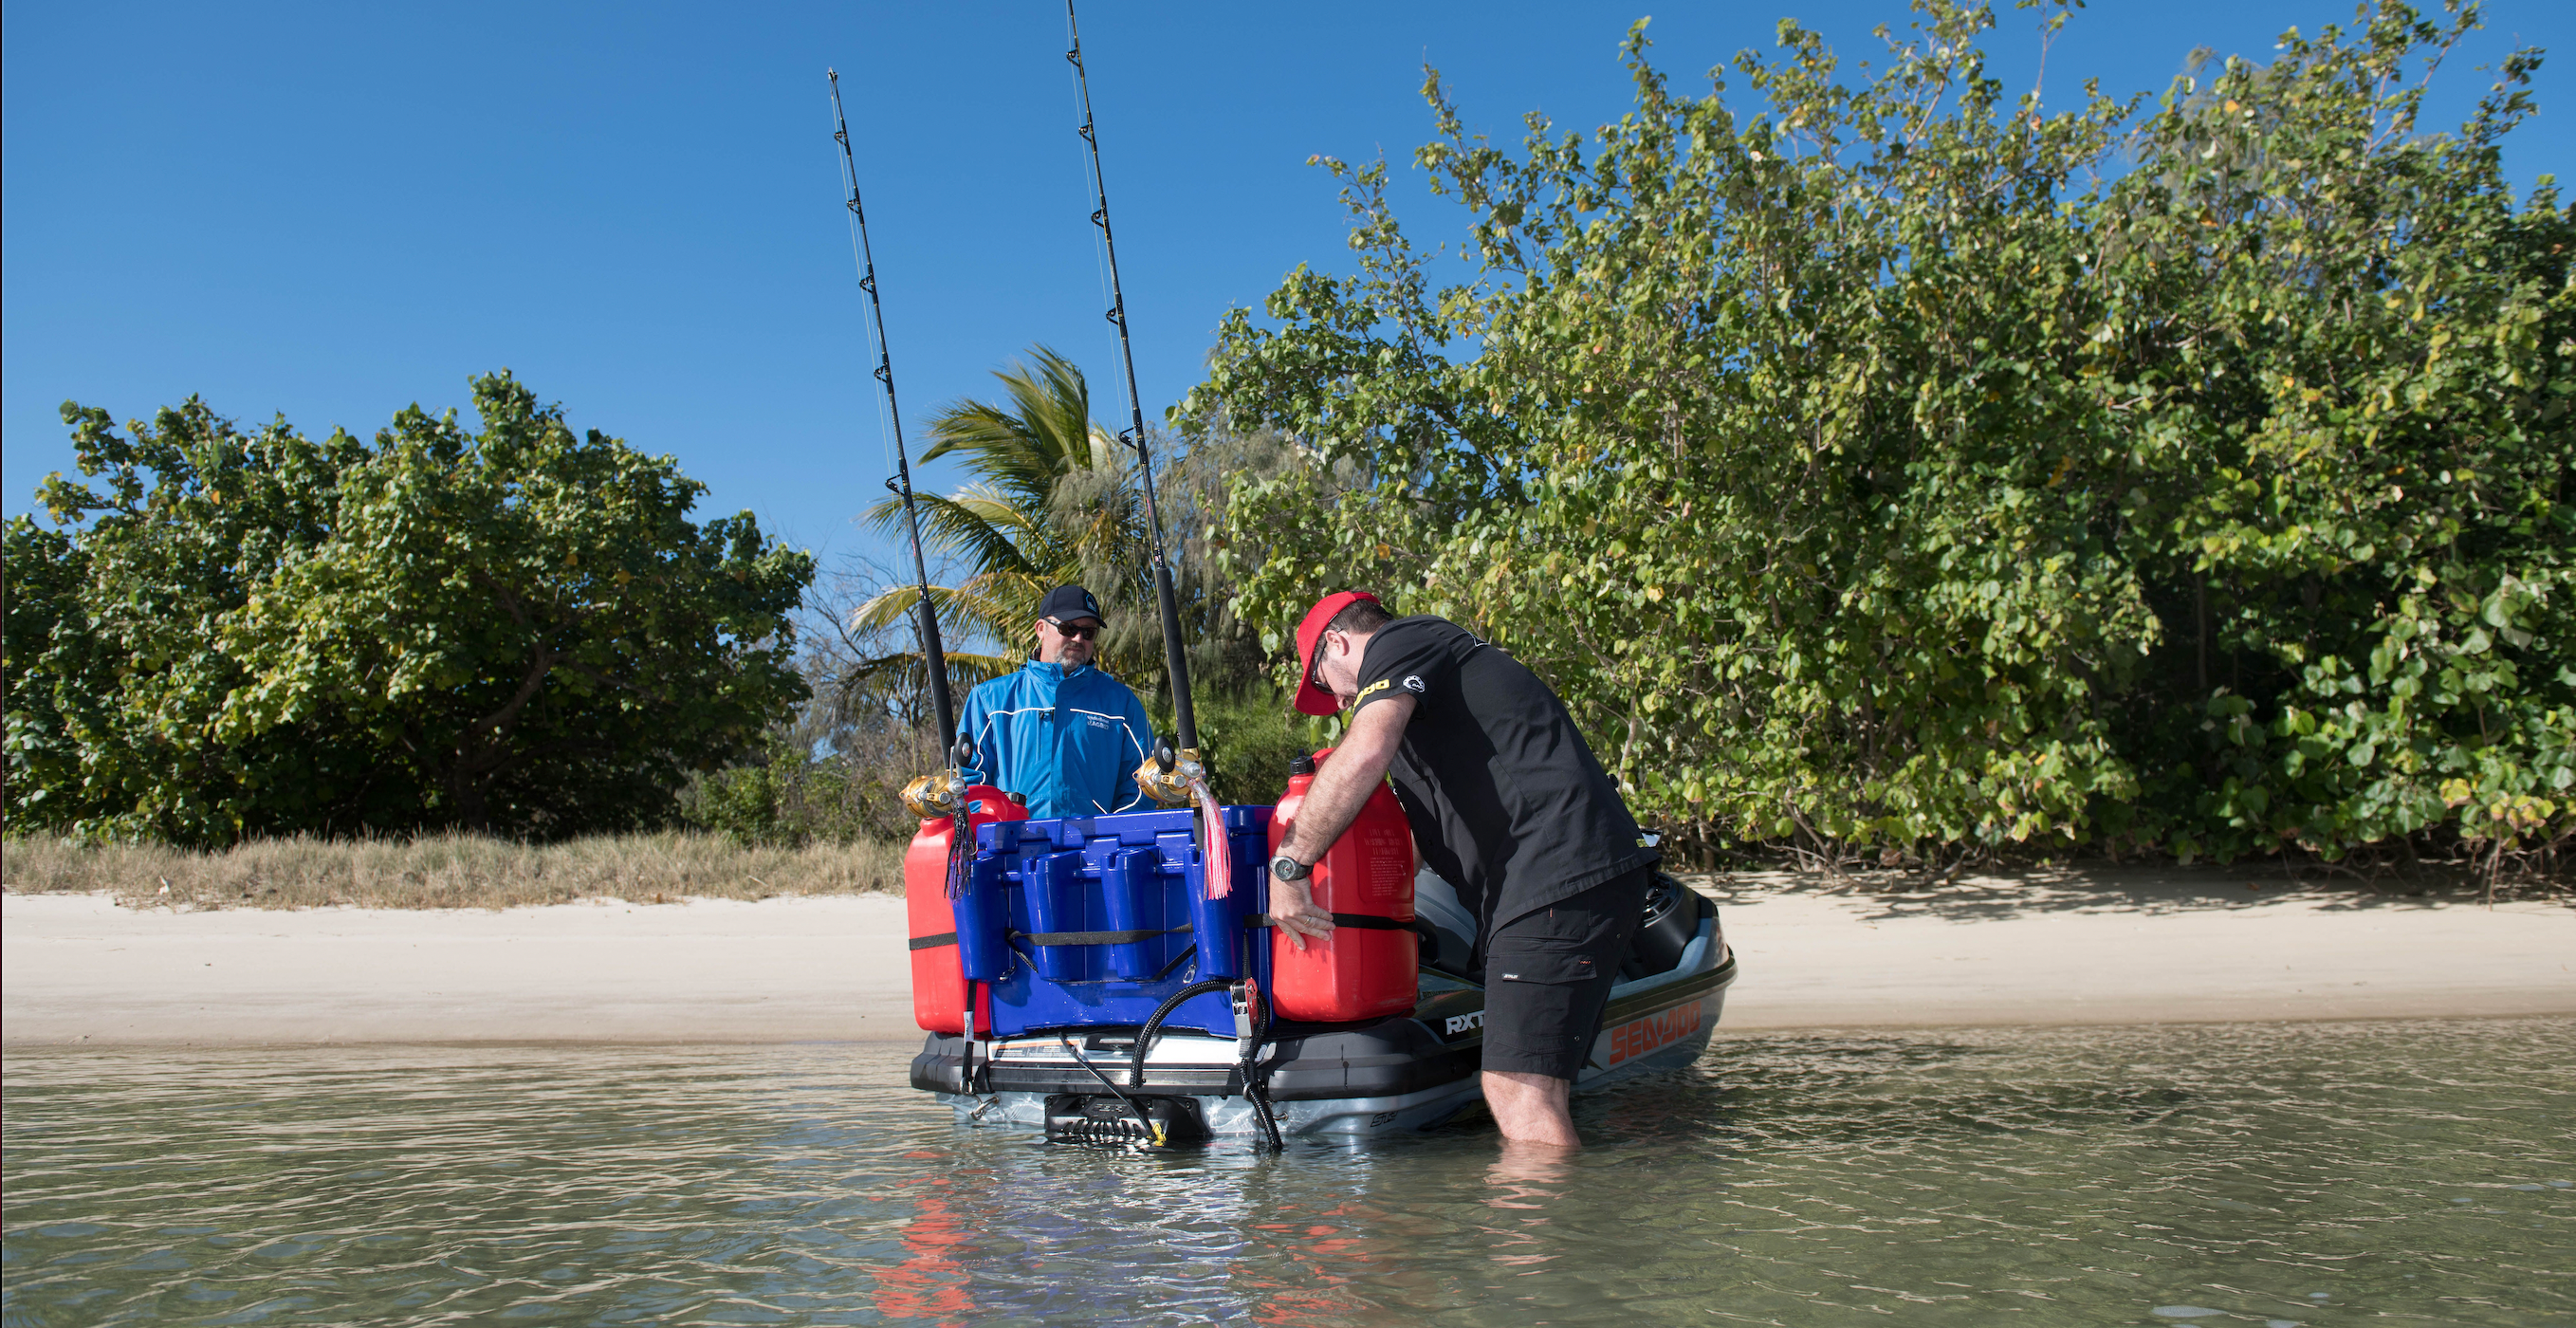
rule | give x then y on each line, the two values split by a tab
1285	868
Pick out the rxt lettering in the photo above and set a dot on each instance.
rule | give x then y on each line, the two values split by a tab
1460	1023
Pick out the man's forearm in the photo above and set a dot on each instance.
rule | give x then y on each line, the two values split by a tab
1328	810
1347	779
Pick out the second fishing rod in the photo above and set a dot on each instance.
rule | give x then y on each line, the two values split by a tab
1175	773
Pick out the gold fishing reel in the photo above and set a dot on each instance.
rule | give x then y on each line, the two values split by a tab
935	794
1166	776
941	792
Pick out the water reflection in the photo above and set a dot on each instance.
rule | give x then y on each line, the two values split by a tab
2287	1174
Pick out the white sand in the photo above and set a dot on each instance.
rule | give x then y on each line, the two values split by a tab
2110	947
77	969
2101	948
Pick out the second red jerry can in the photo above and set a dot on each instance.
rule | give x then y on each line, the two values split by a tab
1370	966
938	985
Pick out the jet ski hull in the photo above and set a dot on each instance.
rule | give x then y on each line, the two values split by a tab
1402	1073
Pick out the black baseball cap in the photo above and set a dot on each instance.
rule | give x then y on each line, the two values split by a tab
1066	604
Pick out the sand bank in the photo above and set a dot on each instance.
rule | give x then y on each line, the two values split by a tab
2090	948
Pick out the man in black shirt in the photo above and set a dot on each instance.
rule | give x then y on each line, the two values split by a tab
1508	804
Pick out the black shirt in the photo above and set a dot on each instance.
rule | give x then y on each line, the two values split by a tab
1506	800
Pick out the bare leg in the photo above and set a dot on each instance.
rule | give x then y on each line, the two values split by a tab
1528	1176
1532	1108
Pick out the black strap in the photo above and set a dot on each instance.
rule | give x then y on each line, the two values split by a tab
1177	960
1356	921
1094	937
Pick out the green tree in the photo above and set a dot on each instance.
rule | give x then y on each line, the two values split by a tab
2343	358
517	629
1913	465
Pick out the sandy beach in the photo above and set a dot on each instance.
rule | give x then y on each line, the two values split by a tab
2102	947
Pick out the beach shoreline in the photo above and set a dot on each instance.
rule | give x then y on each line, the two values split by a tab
2094	947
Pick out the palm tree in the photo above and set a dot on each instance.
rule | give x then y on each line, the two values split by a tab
1051	502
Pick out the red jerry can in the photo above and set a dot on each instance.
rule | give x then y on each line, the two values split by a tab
938	988
1370	965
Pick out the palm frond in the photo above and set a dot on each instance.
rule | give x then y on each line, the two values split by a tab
985	532
994	446
1041	434
981	668
959	611
1050	499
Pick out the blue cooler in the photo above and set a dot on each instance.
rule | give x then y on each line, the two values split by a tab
1090	921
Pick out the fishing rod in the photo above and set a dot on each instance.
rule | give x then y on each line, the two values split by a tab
926	618
942	793
1175	660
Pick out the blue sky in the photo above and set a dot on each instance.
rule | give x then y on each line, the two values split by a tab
330	211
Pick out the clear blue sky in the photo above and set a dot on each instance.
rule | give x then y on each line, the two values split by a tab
333	210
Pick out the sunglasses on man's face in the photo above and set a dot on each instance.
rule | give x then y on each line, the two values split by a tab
1082	633
1315	670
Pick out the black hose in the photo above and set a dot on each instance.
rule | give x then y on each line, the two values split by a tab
1256	1086
1153	1026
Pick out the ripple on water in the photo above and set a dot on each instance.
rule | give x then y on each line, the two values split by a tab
2181	1175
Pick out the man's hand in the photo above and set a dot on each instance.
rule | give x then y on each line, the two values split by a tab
1331	802
1293	912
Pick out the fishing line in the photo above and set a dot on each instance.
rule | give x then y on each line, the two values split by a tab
1078	86
859	263
926	616
1182	768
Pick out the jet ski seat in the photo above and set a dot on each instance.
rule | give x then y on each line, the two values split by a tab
1435	902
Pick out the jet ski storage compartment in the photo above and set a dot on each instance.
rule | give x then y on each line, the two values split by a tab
1090	922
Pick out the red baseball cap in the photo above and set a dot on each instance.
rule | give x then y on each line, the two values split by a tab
1312	697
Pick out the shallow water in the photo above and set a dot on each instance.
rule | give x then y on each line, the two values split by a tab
2317	1174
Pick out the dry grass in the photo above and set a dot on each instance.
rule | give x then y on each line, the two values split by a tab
448	871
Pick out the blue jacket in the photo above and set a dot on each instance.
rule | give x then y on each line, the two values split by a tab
1069	740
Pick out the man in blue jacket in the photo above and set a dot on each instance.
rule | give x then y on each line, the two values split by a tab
1061	733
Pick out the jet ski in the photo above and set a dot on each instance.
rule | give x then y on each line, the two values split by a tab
1076	977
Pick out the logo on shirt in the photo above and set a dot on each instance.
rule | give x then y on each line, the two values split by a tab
1372	689
1414	683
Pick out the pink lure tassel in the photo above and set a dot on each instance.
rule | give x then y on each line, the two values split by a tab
1216	857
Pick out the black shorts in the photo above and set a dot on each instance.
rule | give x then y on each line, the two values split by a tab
1548	975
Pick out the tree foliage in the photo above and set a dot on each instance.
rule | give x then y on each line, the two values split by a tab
1054	500
1909	463
517	629
1051	502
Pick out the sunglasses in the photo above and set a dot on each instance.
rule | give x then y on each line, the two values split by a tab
1315	666
1083	633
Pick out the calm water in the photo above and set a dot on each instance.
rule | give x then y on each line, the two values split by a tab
2321	1174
